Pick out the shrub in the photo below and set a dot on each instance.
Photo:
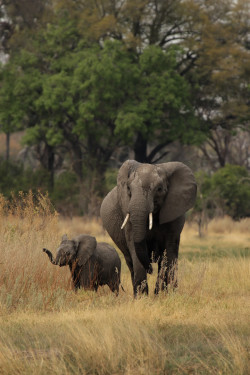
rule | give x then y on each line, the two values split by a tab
226	192
14	178
232	185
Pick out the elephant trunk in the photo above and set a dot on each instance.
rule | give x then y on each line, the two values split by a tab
50	255
140	217
139	225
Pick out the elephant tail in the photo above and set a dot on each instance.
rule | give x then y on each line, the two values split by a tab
122	288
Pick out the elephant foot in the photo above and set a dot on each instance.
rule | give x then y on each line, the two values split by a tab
141	289
156	291
114	289
160	286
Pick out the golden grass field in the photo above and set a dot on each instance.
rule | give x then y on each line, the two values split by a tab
47	328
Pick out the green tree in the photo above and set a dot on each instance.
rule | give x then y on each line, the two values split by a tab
96	98
225	192
33	68
18	18
8	105
221	74
107	73
232	185
214	55
145	29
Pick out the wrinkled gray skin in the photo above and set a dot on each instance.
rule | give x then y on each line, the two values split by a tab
167	191
91	264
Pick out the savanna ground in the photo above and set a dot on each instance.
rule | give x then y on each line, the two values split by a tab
47	328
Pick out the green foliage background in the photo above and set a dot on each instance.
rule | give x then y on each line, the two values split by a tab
85	80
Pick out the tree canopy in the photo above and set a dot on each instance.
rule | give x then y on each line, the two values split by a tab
98	97
86	78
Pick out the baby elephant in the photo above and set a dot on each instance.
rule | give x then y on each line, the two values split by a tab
91	263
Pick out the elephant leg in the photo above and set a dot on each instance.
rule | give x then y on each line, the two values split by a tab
93	274
172	261
75	273
168	264
87	276
114	286
130	266
76	285
138	272
140	285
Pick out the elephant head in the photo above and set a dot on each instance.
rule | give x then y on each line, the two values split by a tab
154	193
79	250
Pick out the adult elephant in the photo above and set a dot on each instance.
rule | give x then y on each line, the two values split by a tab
92	264
144	215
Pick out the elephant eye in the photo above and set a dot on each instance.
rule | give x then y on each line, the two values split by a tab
159	189
129	191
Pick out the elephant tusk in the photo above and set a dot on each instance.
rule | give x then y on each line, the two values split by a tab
125	221
150	221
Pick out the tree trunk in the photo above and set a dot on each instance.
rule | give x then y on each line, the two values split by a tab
77	160
156	154
7	153
51	159
140	148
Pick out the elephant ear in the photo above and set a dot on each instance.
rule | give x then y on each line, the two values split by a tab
127	168
182	190
112	218
85	248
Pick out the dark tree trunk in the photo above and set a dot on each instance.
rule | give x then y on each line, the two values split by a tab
46	156
51	160
7	153
140	148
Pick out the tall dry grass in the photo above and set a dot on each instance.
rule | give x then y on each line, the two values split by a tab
28	224
47	328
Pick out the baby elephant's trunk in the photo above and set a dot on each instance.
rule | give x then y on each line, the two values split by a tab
50	255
